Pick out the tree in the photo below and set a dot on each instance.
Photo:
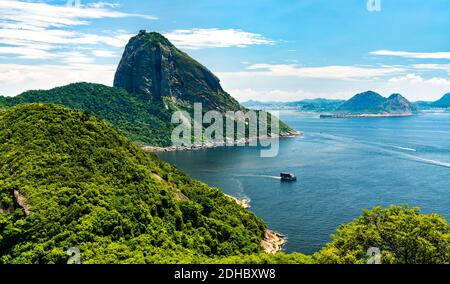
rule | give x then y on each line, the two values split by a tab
401	233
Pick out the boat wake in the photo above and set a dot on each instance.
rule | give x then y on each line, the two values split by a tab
260	176
428	161
404	148
384	147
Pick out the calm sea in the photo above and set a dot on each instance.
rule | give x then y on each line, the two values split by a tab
342	165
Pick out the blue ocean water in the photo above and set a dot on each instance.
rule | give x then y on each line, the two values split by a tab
342	165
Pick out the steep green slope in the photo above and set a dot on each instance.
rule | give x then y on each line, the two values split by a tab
137	116
67	179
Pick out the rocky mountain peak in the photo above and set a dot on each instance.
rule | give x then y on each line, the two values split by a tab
152	65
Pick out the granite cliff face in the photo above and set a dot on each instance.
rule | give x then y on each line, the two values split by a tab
152	65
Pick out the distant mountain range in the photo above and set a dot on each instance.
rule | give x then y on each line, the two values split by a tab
366	103
442	103
311	105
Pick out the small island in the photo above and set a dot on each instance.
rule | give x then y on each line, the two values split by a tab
372	104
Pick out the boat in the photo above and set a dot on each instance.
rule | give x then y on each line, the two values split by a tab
288	177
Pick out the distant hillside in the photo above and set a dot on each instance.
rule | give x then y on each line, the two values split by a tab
69	179
373	103
310	105
444	102
423	104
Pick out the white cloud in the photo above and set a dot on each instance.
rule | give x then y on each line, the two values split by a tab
415	87
40	31
326	72
52	37
209	38
433	67
417	55
16	78
25	52
100	5
417	79
43	15
104	53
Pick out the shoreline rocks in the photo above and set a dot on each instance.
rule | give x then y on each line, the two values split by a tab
243	202
209	145
273	242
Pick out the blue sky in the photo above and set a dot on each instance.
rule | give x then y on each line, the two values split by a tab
266	50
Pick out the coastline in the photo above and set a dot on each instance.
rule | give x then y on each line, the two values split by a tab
364	115
243	202
208	145
273	242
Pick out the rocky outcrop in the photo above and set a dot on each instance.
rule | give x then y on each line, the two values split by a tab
152	65
243	202
19	201
22	202
273	242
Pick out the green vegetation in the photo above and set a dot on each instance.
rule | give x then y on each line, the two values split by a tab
89	187
137	116
68	179
402	234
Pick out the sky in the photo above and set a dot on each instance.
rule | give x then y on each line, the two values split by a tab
266	50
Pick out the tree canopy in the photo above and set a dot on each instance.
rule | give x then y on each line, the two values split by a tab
401	233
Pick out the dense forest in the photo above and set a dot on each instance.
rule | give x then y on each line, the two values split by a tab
137	116
87	186
69	179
